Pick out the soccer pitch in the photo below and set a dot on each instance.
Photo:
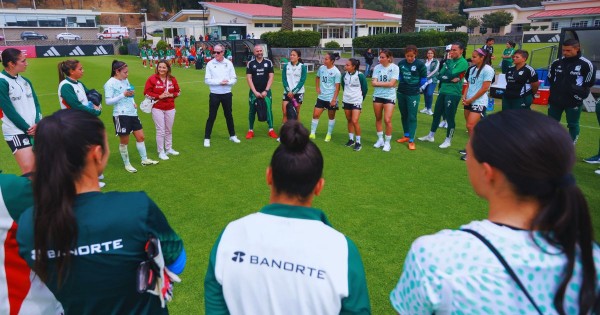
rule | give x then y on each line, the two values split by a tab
383	201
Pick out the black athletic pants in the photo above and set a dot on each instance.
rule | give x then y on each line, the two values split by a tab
213	104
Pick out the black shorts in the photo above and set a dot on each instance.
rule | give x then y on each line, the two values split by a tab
125	125
351	106
19	142
326	105
299	97
475	108
383	100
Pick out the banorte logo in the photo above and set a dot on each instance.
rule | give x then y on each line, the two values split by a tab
237	256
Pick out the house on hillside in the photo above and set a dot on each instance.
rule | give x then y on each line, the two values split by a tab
520	18
48	22
241	20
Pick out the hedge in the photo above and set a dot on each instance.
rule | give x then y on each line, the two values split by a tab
292	38
420	39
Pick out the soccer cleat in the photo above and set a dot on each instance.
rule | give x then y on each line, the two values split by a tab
163	156
593	160
349	143
443	124
272	134
429	112
379	143
412	146
130	168
464	157
446	143
403	139
387	147
250	134
357	146
148	161
312	136
327	138
234	139
427	138
172	152
463	151
207	143
423	111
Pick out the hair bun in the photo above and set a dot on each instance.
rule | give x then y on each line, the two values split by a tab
293	136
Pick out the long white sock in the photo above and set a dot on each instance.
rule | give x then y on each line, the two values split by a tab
388	138
124	153
380	135
358	139
313	126
330	126
351	136
141	147
431	134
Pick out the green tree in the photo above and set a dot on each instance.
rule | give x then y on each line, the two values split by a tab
409	16
382	5
456	20
287	20
496	19
473	23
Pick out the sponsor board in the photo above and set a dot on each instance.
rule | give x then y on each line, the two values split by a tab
29	51
74	50
541	38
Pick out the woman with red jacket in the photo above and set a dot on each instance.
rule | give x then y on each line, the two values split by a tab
163	88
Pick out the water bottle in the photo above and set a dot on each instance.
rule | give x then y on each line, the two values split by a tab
294	102
131	88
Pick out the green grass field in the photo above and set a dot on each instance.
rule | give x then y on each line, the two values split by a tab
383	201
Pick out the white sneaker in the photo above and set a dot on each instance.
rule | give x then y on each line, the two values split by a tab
163	156
597	172
101	177
423	111
207	143
148	161
172	152
379	143
130	168
387	147
429	112
101	184
443	124
234	139
427	138
446	143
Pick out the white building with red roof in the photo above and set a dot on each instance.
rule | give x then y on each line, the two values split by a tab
242	20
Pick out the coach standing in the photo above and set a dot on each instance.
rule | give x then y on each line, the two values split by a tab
220	77
259	74
571	78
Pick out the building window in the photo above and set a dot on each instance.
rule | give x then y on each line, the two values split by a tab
470	30
580	24
268	24
597	23
258	25
483	30
554	26
323	32
495	30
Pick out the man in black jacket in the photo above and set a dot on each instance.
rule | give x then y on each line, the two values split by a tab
571	78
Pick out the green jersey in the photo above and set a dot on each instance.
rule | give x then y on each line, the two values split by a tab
451	69
113	229
410	76
143	53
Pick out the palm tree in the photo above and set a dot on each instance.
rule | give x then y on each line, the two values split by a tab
409	16
287	22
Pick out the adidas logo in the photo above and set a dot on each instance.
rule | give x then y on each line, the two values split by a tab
534	39
52	52
100	51
555	39
77	52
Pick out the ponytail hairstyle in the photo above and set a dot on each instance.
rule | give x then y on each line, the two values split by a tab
355	63
299	53
297	163
10	55
487	59
117	66
65	68
537	158
61	146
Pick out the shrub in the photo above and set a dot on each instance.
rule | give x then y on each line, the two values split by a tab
527	28
161	45
147	43
292	38
332	45
123	50
544	27
420	39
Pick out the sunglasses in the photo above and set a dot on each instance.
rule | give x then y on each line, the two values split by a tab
217	52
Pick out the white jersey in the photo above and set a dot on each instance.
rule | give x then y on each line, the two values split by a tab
353	93
19	93
79	91
294	76
386	74
476	83
285	260
114	95
453	272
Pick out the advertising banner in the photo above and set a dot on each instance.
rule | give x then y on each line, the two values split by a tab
29	51
74	50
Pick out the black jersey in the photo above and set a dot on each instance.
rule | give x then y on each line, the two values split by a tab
260	73
518	82
570	80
